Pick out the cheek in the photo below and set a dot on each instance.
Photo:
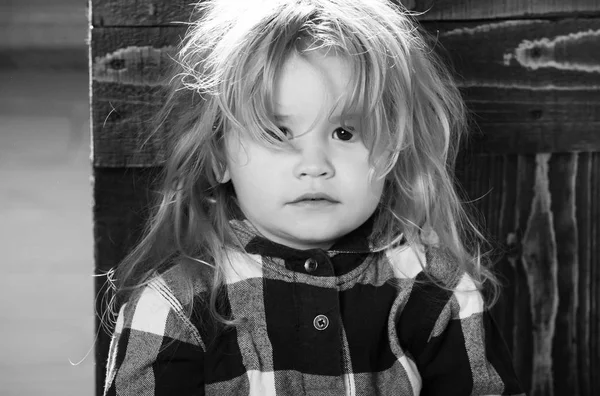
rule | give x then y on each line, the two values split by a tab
356	165
374	182
253	177
245	180
243	162
363	184
376	189
237	156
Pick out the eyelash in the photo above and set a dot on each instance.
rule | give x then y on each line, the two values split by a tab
349	130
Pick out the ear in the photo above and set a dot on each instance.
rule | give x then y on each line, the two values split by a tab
221	172
225	177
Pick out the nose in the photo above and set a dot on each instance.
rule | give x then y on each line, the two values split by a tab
314	161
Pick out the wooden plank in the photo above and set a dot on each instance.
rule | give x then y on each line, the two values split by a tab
562	174
523	331
128	70
538	258
534	54
152	13
140	12
121	201
584	219
532	86
489	9
594	259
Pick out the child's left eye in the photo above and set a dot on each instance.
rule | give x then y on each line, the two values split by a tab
343	134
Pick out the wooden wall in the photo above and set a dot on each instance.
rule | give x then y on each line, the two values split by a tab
530	72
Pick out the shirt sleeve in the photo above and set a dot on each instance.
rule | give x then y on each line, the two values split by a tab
465	353
155	350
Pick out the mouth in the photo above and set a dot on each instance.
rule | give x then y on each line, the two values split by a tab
315	198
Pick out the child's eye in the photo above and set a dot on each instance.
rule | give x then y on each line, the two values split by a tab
285	132
343	134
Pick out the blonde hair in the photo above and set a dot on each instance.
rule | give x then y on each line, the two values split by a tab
224	76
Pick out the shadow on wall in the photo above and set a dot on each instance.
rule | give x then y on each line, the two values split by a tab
41	34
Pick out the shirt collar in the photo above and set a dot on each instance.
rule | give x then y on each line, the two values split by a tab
362	240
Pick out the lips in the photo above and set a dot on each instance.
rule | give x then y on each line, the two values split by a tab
314	197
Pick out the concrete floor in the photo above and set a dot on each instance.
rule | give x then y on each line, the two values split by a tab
46	287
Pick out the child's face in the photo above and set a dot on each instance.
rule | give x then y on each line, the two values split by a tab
328	161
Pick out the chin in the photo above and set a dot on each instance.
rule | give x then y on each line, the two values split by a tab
314	239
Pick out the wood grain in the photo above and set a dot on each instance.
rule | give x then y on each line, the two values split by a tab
533	54
128	69
542	211
532	86
541	267
488	9
592	233
154	13
562	174
585	221
139	12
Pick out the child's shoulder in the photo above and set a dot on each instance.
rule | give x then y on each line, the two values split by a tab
443	266
161	307
427	262
185	279
442	288
408	260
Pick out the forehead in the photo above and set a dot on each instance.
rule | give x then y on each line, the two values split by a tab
316	80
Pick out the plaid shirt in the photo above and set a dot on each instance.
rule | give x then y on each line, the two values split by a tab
348	321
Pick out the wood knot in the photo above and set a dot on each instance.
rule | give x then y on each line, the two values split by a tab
513	245
536	52
117	64
536	114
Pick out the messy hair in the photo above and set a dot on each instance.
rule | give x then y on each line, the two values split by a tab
226	66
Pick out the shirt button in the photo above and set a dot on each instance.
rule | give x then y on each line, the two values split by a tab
310	265
321	322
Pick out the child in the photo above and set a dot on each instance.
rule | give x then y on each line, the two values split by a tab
309	239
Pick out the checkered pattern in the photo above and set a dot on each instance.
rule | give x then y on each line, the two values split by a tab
389	329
